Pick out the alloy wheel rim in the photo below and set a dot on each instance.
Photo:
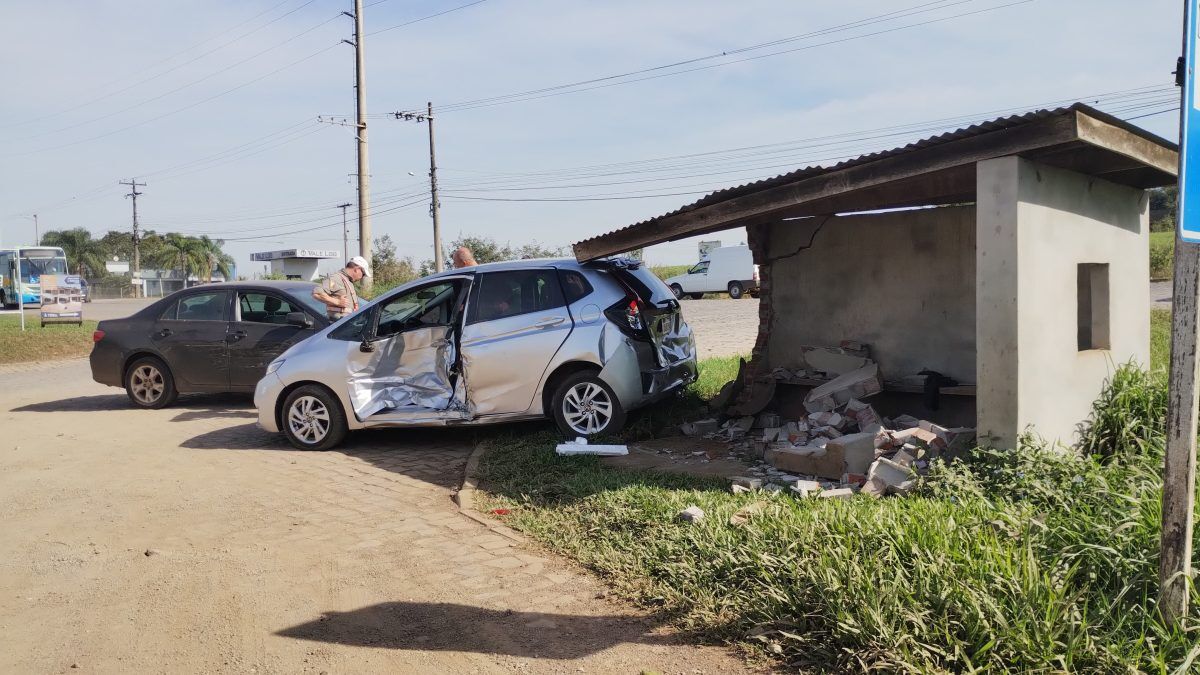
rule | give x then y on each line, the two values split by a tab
147	384
587	408
308	419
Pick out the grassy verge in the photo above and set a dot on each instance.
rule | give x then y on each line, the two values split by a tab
1034	560
52	343
1162	252
1160	339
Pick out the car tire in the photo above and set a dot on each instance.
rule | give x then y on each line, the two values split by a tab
735	290
677	290
578	407
149	383
312	419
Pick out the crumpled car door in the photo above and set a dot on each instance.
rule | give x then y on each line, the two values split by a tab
411	375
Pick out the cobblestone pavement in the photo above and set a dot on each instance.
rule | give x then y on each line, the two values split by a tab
187	540
723	327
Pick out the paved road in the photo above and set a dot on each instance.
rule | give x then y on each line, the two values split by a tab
186	540
1160	294
723	327
97	310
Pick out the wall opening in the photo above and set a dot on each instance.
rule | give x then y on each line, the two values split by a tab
1093	303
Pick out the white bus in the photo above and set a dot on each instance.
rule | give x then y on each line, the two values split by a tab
22	269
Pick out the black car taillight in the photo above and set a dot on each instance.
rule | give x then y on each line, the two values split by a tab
627	314
97	335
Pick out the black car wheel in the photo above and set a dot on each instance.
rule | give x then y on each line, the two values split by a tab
735	290
313	419
585	406
149	383
677	290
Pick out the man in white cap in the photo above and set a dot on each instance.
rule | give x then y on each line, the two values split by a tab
337	289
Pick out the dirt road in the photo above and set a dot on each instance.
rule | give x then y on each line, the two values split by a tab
186	540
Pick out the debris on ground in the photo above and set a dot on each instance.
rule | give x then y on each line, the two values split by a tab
692	514
580	447
840	443
742	516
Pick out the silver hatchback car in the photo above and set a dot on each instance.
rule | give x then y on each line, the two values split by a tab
583	343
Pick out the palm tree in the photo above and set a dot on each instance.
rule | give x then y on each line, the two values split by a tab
215	258
182	254
85	255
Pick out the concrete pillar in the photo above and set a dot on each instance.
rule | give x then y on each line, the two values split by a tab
1062	293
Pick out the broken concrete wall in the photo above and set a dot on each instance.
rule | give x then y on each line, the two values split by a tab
1036	226
902	282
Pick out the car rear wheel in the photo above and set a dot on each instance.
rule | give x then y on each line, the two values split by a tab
735	290
585	406
677	290
313	419
149	383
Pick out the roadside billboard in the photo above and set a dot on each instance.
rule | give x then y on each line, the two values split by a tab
62	299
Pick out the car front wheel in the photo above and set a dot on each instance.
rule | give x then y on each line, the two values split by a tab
149	383
313	419
584	406
677	290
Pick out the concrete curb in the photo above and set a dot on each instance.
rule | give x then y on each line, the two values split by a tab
465	497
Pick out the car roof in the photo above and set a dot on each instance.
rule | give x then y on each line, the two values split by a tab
291	286
528	263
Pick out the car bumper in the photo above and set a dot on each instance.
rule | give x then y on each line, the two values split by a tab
106	365
266	399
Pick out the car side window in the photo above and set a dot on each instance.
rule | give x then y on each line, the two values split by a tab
421	307
259	307
700	268
575	286
505	294
351	329
200	307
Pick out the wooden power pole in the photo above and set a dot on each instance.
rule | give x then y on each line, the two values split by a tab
138	291
1179	470
435	206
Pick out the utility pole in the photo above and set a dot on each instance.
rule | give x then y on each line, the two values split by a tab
435	205
360	110
37	237
1179	468
345	233
137	236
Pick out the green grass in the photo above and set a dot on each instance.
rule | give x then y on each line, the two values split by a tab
1035	560
52	343
1162	251
1160	339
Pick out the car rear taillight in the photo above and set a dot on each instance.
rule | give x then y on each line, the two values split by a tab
97	335
627	315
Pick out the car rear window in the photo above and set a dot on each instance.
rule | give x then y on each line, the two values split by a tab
575	285
505	294
647	285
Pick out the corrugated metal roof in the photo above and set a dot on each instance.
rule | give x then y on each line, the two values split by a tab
811	171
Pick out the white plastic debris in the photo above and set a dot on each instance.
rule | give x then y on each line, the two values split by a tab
580	446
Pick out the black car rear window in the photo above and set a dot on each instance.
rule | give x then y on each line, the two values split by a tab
575	285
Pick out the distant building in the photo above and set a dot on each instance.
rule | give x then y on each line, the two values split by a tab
295	263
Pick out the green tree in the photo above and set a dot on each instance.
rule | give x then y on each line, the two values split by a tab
388	267
85	255
214	258
182	254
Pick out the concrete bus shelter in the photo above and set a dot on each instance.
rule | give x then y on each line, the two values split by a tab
1024	280
295	263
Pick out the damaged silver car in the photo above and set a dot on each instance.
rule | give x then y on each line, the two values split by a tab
583	343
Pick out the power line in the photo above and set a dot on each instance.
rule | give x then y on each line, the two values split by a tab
424	18
607	81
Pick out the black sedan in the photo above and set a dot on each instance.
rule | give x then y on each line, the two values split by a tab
214	338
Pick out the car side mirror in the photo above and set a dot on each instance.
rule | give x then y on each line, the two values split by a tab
299	319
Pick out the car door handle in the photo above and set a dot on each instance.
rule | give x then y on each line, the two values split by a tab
549	321
166	332
237	335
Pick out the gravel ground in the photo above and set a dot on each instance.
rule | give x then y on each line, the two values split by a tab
723	327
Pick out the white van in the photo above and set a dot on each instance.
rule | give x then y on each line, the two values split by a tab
729	269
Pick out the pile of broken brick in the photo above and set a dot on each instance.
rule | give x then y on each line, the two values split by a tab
843	445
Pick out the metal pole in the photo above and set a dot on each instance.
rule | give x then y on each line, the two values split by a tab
137	237
20	295
345	233
435	206
1179	470
37	236
364	189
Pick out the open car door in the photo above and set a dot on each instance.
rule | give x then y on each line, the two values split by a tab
406	370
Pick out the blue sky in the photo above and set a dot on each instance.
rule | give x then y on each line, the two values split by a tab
102	91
